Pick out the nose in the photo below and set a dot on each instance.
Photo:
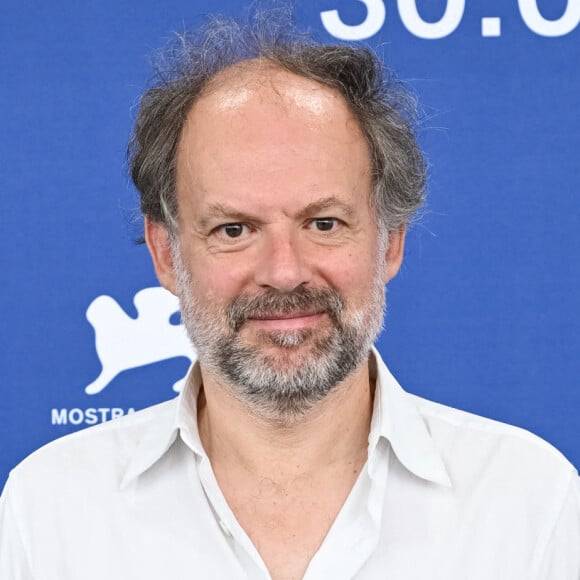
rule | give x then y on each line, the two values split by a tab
282	264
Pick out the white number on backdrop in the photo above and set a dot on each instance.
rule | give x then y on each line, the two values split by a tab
537	23
431	30
370	26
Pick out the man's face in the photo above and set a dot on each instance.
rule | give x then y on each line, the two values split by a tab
278	262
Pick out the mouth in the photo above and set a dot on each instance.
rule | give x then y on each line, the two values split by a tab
285	321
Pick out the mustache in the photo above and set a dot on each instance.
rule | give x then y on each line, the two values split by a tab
275	303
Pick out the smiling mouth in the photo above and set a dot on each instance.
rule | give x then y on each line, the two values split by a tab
286	321
285	315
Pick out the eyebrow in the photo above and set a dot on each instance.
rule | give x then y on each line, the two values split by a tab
224	211
331	202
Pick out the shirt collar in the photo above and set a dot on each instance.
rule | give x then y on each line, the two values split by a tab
158	436
395	418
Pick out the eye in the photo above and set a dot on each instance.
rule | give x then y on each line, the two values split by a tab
324	224
232	230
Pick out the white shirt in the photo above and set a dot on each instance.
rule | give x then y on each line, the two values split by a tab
444	495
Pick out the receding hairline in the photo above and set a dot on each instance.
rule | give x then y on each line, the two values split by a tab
272	82
257	72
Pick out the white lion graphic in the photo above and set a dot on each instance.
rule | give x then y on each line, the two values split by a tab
124	343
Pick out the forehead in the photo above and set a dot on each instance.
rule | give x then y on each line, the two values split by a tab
259	78
256	124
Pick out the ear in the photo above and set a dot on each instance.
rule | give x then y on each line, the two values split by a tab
157	239
394	255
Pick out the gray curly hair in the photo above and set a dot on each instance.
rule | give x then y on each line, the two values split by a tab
383	108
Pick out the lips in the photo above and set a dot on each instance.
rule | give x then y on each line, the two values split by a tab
284	315
285	322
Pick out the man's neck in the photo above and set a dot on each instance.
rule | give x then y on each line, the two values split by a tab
286	485
333	435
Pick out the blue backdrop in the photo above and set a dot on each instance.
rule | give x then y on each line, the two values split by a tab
486	310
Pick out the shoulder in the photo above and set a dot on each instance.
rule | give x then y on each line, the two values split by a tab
513	483
96	453
475	448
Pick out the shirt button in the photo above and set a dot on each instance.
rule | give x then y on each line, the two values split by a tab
224	528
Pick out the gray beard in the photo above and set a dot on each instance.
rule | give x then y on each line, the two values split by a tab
281	388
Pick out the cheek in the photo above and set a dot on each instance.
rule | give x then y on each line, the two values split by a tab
218	283
353	274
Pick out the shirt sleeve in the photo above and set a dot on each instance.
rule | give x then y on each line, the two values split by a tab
14	562
561	559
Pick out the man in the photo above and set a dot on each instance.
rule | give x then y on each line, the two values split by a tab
277	178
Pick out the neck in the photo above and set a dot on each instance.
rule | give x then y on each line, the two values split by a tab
332	435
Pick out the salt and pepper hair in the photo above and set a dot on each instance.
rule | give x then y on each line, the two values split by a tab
383	109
